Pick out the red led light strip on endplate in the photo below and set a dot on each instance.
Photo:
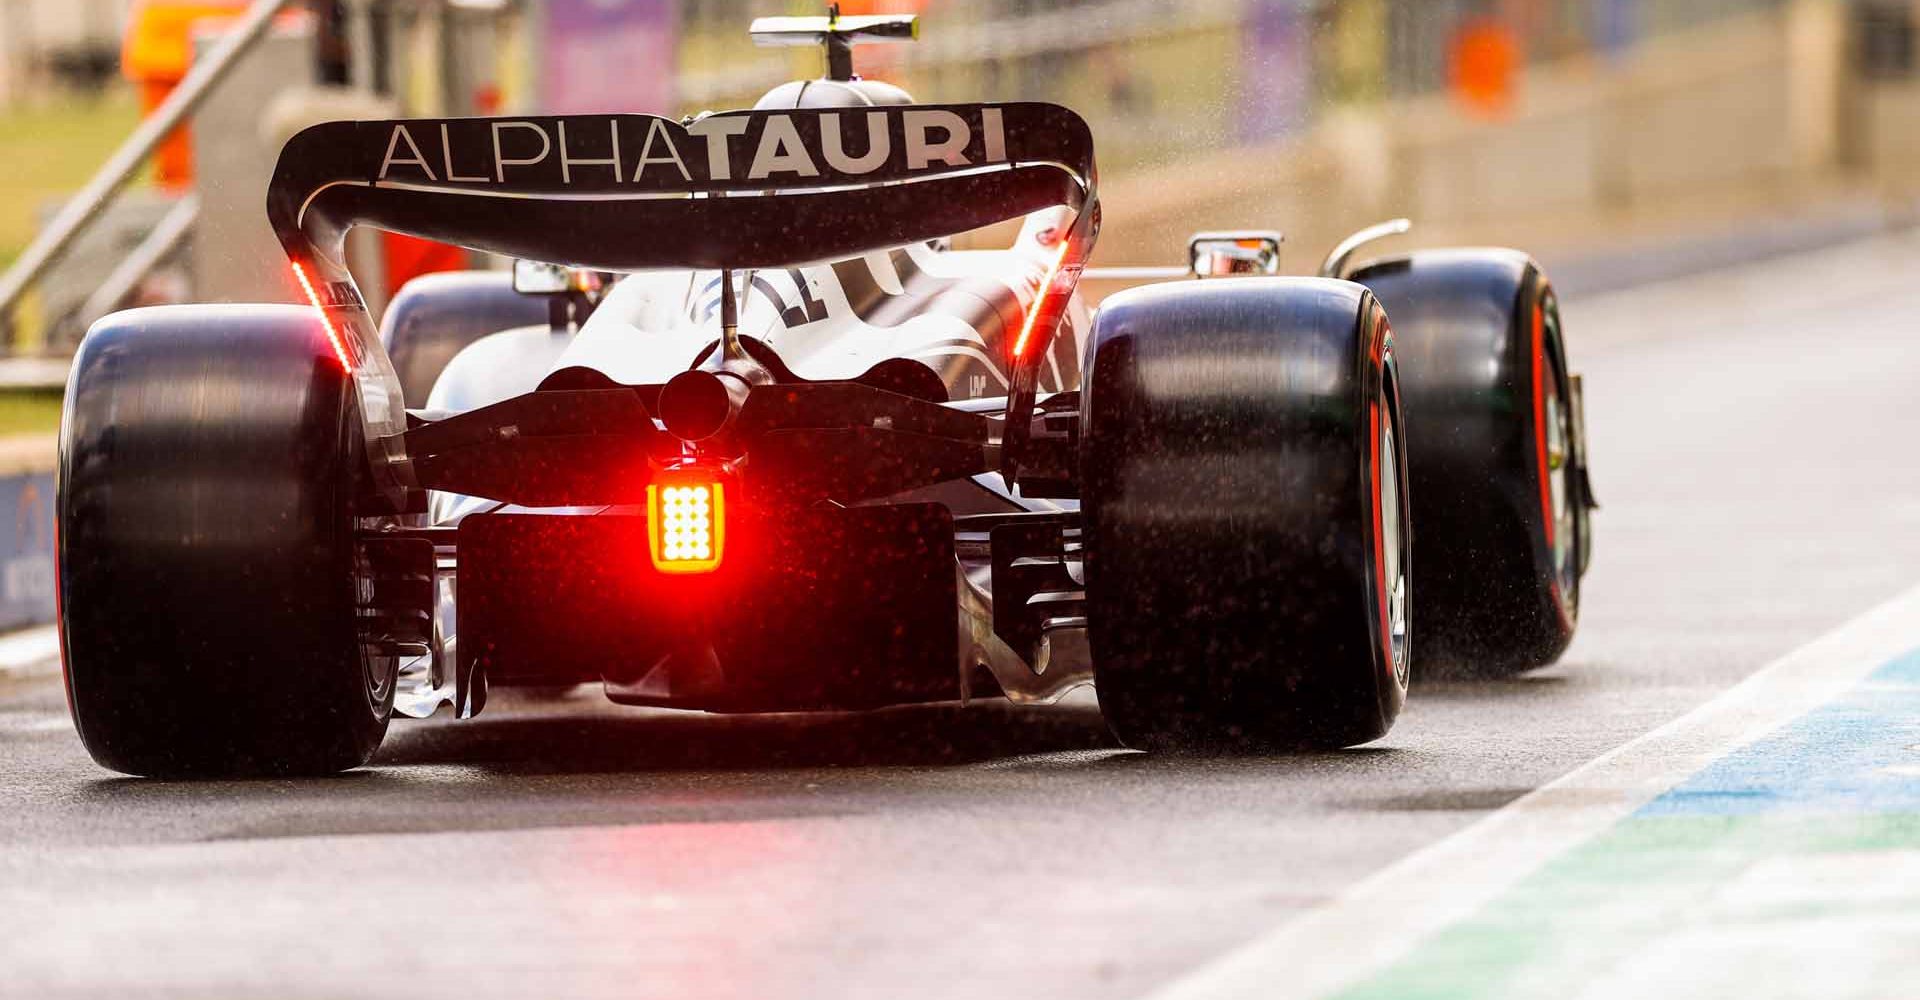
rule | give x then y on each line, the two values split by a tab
1040	300
334	339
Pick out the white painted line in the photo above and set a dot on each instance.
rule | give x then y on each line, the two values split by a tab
1383	917
32	652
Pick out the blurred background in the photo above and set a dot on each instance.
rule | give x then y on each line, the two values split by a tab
1574	127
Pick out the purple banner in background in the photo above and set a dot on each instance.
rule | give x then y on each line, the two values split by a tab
1616	25
608	56
1276	70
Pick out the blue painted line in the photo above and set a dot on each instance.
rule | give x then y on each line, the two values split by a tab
1846	757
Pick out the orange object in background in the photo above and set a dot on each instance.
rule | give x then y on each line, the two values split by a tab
1483	63
155	54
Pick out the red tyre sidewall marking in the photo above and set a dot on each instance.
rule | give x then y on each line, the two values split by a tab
60	621
1540	420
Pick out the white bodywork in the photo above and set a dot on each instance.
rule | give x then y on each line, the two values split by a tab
655	324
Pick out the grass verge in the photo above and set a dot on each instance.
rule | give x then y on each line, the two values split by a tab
29	413
49	152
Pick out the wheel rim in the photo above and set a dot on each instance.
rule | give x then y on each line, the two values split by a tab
379	671
1565	545
1394	536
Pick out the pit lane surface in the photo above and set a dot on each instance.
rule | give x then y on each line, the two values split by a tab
1752	439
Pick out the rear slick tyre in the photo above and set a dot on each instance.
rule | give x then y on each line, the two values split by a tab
1248	537
436	316
1497	461
208	568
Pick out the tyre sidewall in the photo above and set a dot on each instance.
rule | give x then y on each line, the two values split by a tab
206	547
1230	537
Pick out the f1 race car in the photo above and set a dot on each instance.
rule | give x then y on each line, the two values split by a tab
743	432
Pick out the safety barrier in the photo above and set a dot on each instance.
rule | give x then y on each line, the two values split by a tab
26	531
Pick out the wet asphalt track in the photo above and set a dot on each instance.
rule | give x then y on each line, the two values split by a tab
1752	438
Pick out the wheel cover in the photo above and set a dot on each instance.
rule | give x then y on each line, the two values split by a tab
379	670
1395	536
1565	540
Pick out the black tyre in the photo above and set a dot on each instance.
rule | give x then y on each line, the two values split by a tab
208	570
436	316
1497	457
1246	527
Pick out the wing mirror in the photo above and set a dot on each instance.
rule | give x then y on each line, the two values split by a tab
572	292
1225	255
1335	266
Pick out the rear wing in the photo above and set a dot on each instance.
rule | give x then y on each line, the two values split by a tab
633	192
629	192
